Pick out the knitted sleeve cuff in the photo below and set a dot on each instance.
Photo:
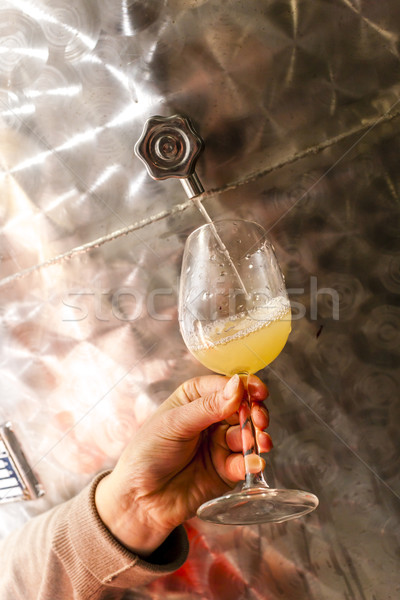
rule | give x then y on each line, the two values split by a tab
87	545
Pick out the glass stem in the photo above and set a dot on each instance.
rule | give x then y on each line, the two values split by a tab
254	463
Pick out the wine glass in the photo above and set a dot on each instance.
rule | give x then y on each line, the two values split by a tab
235	317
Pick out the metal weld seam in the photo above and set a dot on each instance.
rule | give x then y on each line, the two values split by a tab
95	243
313	150
310	151
58	154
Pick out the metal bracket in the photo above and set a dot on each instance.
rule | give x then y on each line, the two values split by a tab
17	480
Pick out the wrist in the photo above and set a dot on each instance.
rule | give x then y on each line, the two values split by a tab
127	520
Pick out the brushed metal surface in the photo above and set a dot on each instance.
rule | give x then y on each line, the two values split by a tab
298	104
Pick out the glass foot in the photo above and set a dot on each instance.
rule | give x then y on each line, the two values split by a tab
257	505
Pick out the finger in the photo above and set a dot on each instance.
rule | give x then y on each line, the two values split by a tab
239	440
234	438
229	469
234	467
190	419
264	441
192	389
233	419
259	415
197	387
235	443
257	390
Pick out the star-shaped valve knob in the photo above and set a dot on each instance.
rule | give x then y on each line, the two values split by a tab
170	147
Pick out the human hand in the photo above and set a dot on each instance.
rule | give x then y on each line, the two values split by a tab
186	453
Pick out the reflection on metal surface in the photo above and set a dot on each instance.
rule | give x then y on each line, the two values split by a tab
23	51
298	104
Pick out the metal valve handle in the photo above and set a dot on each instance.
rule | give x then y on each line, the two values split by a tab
170	147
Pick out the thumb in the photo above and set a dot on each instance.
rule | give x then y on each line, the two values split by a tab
192	418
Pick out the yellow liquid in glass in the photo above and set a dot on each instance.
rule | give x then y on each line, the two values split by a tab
253	343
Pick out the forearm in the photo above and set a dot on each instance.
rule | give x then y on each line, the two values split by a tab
69	553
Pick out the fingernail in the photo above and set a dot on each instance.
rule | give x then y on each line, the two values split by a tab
254	463
231	387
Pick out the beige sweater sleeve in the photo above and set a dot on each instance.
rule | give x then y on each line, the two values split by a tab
68	553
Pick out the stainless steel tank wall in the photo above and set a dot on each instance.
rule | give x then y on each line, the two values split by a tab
298	104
